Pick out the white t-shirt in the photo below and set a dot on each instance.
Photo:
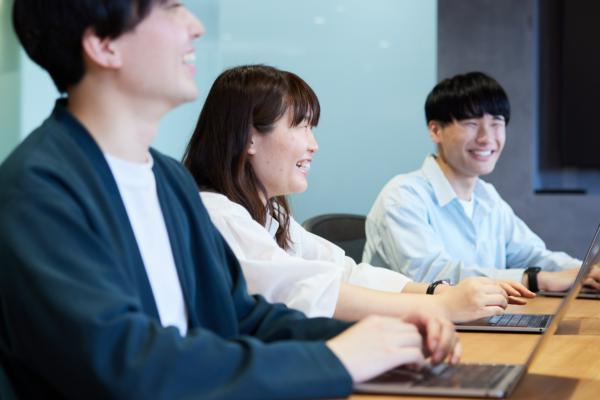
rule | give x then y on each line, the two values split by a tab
308	276
137	187
468	205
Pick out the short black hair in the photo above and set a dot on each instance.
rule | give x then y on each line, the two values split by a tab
51	31
470	95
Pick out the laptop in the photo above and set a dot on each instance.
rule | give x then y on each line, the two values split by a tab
510	323
476	380
521	323
584	293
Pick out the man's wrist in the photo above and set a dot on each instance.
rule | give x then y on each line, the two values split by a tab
542	279
531	279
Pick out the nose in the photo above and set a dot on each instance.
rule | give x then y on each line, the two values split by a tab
484	134
195	26
313	146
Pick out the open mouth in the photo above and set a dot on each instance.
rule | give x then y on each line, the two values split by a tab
304	165
189	58
482	153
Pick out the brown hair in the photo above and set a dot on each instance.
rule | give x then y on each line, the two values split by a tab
245	97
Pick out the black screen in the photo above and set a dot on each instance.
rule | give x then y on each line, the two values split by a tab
580	100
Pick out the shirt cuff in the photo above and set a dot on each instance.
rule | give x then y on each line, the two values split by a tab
378	278
515	274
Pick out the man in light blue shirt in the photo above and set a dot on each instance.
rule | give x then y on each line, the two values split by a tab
443	221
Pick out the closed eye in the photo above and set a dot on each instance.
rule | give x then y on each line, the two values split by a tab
173	4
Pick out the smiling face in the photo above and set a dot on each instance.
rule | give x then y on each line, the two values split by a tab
158	55
470	147
281	158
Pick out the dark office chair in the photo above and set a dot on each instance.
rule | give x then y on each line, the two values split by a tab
345	230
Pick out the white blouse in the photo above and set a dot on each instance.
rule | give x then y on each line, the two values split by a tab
308	276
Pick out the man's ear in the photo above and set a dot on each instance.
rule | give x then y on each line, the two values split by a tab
100	51
435	130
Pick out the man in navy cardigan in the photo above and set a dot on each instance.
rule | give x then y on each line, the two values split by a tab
113	282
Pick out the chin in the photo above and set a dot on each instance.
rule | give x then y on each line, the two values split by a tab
299	188
188	92
486	171
191	96
182	99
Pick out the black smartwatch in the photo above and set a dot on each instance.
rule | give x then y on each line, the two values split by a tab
532	281
432	286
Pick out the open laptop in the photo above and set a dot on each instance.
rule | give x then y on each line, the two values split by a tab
584	293
524	323
476	380
508	322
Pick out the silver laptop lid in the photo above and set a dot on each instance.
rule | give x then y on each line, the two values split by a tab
591	258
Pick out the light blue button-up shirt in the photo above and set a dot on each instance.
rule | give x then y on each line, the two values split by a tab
418	227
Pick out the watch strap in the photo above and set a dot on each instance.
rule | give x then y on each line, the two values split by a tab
433	285
532	281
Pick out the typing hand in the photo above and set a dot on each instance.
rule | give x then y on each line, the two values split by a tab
593	278
377	344
474	298
515	291
441	340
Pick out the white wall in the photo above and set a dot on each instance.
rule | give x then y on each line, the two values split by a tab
9	84
370	62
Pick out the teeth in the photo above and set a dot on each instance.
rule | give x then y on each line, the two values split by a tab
305	165
483	153
189	58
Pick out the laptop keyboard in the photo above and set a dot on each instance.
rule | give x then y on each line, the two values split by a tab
446	375
519	320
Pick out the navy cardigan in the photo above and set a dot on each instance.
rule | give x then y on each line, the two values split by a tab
77	314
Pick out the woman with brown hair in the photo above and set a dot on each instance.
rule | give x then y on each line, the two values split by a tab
252	146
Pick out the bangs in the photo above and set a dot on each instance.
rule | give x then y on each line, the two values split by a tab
478	107
302	102
466	96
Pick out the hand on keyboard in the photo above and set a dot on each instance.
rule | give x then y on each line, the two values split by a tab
474	298
517	292
440	339
377	344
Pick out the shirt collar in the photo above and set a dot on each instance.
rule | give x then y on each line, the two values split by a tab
443	191
483	199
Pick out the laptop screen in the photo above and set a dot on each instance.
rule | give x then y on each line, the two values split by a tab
591	258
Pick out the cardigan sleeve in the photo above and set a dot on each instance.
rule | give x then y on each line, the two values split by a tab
74	321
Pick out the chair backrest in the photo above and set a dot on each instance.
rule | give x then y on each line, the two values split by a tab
345	230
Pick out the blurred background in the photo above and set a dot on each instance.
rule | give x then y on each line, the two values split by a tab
372	64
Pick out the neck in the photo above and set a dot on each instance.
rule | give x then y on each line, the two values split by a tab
463	186
123	127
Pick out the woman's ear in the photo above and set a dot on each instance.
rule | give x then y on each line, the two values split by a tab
254	140
100	51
